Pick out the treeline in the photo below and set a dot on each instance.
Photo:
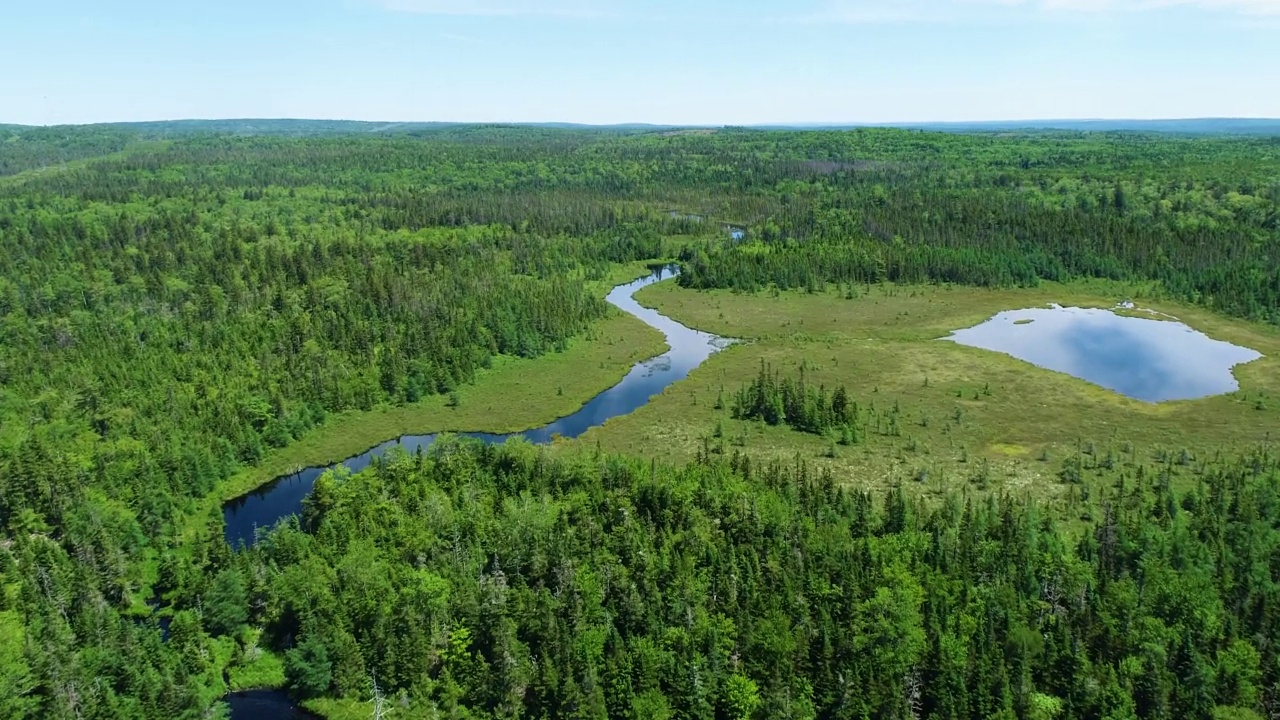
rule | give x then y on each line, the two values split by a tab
1203	241
66	651
498	582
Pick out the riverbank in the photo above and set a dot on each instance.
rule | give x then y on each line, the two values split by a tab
687	349
245	515
512	395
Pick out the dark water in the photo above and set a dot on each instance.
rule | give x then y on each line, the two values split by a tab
163	621
265	705
1151	360
689	348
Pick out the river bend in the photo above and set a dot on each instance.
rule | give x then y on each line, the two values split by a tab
689	348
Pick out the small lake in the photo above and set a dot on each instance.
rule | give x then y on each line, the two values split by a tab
689	348
1146	359
264	704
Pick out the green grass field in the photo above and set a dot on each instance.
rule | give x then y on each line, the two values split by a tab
960	416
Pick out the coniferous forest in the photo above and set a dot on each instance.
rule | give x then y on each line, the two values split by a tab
177	302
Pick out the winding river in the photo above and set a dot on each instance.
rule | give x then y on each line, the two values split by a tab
283	497
689	348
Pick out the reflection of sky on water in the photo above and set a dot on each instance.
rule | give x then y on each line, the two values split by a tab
1151	360
689	348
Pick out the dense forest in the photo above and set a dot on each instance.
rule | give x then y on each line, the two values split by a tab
483	582
177	302
1204	225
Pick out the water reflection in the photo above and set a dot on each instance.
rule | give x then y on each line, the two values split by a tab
1151	360
689	348
265	705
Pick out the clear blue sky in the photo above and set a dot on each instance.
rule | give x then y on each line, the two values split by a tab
666	61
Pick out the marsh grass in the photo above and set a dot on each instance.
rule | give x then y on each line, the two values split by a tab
938	404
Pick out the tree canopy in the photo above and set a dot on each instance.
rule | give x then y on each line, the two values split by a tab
178	301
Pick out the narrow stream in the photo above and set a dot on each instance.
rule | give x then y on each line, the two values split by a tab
283	497
265	705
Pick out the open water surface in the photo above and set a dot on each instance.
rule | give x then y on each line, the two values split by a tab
1147	359
265	705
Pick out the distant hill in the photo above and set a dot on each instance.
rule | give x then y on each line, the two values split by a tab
262	126
303	127
287	127
25	147
30	147
1191	126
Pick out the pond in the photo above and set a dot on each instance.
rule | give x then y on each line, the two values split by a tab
283	497
1146	359
265	705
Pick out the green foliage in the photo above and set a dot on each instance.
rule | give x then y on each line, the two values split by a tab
307	667
16	682
1239	675
226	604
1014	211
777	400
1044	707
172	313
475	577
38	148
742	697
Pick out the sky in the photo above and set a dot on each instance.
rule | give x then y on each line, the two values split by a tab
704	62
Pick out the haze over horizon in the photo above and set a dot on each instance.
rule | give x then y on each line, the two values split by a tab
1210	124
702	62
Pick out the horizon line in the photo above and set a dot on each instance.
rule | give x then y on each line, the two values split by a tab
767	124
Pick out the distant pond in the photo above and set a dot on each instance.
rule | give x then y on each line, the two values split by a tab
1146	359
